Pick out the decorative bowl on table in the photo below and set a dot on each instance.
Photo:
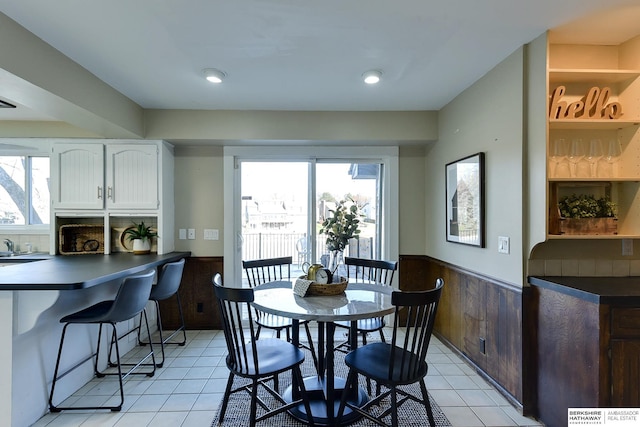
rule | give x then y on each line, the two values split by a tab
327	289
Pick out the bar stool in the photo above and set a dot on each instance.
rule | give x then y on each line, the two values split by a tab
130	301
168	283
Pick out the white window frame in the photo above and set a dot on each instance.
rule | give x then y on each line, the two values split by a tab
18	151
388	156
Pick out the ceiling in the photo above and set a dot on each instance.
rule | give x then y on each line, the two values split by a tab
304	55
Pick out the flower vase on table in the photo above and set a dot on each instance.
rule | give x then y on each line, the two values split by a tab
336	263
341	225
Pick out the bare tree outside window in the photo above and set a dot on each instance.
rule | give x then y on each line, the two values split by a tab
24	190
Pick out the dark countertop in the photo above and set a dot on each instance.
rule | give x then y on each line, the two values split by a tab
79	271
602	290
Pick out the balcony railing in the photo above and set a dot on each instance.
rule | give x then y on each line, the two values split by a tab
274	245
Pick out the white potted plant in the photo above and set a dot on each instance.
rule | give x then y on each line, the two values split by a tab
141	236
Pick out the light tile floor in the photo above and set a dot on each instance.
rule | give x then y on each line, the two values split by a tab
187	391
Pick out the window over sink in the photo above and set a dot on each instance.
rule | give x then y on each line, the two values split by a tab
24	190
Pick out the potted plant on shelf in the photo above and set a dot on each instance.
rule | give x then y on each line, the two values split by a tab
140	235
584	214
340	226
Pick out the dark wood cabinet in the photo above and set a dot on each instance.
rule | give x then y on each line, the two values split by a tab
569	364
196	292
625	357
625	373
586	347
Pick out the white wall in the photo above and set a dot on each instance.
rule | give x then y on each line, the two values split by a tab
486	117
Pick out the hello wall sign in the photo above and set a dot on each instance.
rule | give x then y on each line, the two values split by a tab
594	105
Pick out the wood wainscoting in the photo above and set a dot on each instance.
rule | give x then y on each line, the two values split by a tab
199	303
478	316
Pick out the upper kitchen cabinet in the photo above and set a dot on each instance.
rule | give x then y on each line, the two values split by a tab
132	176
114	175
593	144
112	183
78	176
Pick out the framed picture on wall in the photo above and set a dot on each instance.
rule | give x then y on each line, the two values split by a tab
465	200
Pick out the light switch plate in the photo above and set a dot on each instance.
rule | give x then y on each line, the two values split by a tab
503	244
211	234
182	234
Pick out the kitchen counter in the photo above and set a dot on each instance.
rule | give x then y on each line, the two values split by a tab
77	272
36	291
599	290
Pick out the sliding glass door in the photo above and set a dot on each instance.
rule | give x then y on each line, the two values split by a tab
357	182
280	200
274	216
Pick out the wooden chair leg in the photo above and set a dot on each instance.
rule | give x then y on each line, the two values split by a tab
427	403
225	399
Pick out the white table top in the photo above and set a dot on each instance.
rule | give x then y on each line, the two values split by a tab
359	301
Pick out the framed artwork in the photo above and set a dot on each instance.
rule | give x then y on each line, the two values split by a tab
465	200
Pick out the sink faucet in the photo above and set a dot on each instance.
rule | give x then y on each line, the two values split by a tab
9	244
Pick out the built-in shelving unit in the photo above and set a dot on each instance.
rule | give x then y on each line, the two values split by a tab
584	75
111	183
607	80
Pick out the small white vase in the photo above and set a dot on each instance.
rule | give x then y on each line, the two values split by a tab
141	246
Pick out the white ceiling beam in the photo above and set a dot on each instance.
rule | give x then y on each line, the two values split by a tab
34	74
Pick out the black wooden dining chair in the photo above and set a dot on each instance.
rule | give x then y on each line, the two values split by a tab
377	273
402	361
266	270
258	360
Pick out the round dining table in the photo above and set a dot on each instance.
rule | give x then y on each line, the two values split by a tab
358	301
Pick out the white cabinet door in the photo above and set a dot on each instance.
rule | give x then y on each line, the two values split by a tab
79	176
132	176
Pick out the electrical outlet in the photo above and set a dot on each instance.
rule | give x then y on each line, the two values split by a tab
182	234
627	247
191	234
503	244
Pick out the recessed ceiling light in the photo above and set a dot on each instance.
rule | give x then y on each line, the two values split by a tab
214	75
372	77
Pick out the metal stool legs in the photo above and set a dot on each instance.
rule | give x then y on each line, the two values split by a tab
163	341
114	344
